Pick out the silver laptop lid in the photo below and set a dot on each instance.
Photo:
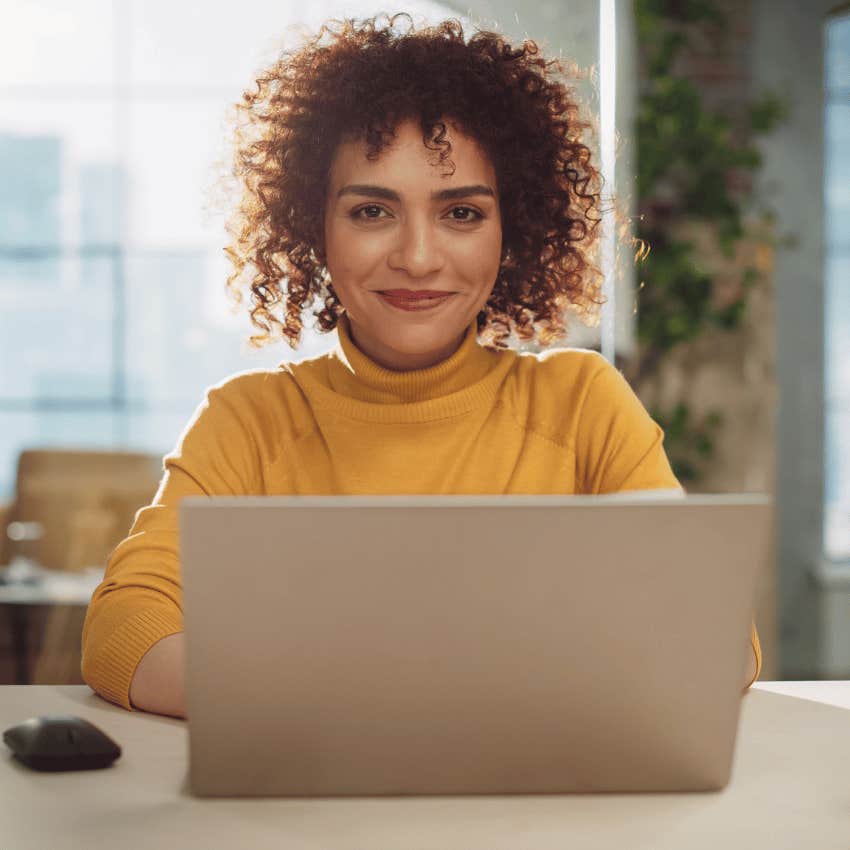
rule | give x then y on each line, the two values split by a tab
362	645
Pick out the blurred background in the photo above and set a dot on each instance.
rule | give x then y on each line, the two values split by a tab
723	129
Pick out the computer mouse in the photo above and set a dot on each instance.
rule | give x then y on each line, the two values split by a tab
61	742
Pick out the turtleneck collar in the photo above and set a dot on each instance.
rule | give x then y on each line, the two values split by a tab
352	373
348	382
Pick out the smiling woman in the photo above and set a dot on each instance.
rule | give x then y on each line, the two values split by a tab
435	195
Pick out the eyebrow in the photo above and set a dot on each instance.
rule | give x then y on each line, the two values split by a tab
370	191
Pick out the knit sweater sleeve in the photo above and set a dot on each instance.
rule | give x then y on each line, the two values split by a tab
139	600
619	447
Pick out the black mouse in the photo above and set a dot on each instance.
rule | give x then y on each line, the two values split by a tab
61	742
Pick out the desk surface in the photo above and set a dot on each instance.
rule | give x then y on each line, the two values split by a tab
831	693
790	788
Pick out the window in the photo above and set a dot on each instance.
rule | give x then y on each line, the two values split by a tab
113	319
837	287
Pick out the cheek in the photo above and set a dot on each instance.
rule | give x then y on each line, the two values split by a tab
478	261
350	258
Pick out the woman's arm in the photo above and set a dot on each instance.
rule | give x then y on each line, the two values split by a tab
158	685
131	635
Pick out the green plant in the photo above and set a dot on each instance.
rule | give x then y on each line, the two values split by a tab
687	442
695	165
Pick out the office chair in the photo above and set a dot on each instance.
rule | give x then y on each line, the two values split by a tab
71	507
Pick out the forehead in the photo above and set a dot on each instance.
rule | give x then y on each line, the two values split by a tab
407	162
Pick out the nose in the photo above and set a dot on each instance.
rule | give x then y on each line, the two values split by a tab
417	250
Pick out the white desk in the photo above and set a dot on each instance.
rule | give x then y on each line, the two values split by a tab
790	790
831	693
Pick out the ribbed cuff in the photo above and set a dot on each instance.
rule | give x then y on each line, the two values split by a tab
111	672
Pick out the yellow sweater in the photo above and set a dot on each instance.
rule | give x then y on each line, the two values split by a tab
565	421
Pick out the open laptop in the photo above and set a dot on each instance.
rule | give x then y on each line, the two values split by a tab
386	645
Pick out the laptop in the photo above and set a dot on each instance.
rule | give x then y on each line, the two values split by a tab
453	645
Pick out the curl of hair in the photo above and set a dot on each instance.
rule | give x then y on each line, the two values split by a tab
357	81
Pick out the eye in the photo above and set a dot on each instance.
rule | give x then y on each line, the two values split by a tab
473	215
372	208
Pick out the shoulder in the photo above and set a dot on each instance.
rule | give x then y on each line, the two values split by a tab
249	385
582	400
254	392
244	394
574	367
585	377
557	381
262	404
227	441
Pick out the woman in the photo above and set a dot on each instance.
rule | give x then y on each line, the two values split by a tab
435	194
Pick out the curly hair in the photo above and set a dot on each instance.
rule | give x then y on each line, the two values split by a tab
360	84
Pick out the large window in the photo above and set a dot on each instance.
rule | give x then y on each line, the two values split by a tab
113	319
837	294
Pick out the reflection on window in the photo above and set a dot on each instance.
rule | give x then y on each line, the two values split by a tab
837	288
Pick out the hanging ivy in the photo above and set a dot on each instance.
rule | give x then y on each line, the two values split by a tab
695	164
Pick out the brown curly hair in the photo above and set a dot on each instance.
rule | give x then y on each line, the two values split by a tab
359	84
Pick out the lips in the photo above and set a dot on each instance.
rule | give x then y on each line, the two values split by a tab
415	295
417	302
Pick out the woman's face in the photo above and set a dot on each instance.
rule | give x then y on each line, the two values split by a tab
402	222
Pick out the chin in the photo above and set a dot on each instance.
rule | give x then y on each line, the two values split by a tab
418	341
